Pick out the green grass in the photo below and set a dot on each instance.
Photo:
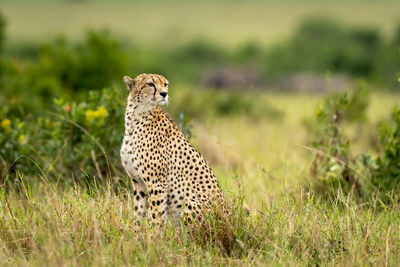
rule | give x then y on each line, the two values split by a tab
168	23
70	227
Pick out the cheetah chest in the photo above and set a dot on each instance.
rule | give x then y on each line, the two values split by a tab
129	156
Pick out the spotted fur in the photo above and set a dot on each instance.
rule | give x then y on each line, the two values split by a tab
171	179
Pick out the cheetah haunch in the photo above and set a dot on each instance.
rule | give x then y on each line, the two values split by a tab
171	179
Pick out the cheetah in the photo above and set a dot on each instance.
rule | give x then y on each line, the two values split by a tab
171	179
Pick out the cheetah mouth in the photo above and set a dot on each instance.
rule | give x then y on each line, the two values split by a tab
162	101
159	101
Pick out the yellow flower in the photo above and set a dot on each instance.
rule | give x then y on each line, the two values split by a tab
21	139
5	124
100	114
20	125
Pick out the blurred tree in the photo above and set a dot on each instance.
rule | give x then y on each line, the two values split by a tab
321	45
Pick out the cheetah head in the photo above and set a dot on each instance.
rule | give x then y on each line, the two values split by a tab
148	90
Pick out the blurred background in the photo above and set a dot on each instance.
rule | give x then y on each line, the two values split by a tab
246	78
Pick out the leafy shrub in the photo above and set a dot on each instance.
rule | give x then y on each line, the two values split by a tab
336	169
62	69
91	64
78	140
333	170
387	173
319	45
249	53
13	141
191	59
185	124
388	65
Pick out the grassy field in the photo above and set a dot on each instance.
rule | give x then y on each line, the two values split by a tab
262	167
168	23
262	161
71	228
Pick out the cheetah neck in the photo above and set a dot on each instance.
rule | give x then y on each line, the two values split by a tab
137	116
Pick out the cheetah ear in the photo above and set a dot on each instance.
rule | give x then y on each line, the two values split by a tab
129	82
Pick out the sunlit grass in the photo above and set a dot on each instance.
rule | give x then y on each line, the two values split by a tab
72	227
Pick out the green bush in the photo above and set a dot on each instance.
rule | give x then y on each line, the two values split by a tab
13	141
321	45
334	168
69	141
65	70
387	173
388	64
192	59
94	63
249	53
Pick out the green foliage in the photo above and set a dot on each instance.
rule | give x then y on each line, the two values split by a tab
336	169
185	124
77	140
91	64
62	69
333	170
192	59
321	45
249	53
13	141
387	173
388	65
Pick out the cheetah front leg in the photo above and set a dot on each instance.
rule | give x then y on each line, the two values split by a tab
140	203
158	203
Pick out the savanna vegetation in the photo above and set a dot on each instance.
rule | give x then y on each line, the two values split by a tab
311	173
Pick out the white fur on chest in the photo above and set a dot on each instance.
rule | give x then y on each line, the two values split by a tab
128	154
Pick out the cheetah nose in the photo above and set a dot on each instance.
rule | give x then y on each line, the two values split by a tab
164	94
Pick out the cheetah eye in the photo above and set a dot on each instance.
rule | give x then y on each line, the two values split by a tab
151	84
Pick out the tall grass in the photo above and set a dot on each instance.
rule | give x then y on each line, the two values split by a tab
72	226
